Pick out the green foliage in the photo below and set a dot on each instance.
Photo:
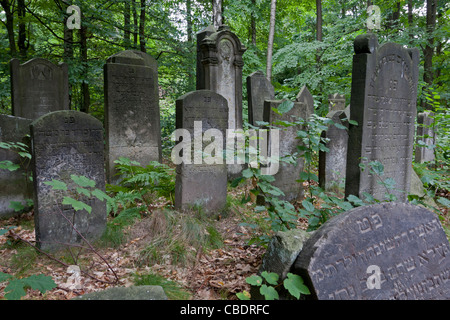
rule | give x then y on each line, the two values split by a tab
173	290
16	287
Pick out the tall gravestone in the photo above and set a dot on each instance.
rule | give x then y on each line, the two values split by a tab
336	102
288	173
332	164
383	103
221	57
38	87
66	143
387	251
132	118
426	134
204	116
14	185
258	90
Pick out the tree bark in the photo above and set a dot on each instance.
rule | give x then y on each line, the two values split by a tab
217	13
126	24
135	24
142	27
410	18
429	48
21	11
85	95
273	7
253	24
318	26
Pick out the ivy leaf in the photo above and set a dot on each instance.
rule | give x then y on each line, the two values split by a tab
269	292
57	185
243	295
271	278
254	280
77	205
294	284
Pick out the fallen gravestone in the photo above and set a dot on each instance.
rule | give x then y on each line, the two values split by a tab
258	90
387	251
66	143
383	104
132	120
38	87
127	293
14	185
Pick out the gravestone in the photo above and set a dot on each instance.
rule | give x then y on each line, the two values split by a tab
426	134
200	69
288	173
199	181
14	185
332	164
132	119
336	102
38	87
387	251
383	103
221	56
305	97
66	143
258	90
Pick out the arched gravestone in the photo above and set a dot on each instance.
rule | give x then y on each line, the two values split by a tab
38	87
66	143
387	251
383	103
201	182
258	90
132	118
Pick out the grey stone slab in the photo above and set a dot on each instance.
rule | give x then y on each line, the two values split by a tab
258	90
426	134
387	251
336	102
66	143
127	293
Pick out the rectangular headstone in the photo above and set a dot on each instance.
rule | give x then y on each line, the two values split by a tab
199	182
383	103
258	90
38	87
388	251
14	185
132	118
336	102
288	174
425	134
66	143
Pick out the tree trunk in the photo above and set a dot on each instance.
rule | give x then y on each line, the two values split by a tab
9	23
253	24
410	18
85	96
273	7
318	26
217	13
189	20
429	48
142	27
135	24
22	29
126	24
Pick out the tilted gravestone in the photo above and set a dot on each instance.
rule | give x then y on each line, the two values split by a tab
288	173
14	185
66	143
132	118
201	178
38	87
336	102
387	251
221	56
425	134
383	103
332	164
258	90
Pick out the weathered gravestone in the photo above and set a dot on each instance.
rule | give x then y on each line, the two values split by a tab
66	143
288	173
383	103
221	56
332	164
305	97
387	251
14	185
336	102
202	176
426	135
132	118
258	90
38	87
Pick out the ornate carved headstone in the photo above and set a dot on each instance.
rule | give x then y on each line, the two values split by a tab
14	185
132	118
388	251
426	134
288	174
383	103
258	90
38	87
204	116
66	143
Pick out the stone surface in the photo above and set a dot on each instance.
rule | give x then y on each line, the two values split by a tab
199	181
288	173
258	90
127	293
383	103
66	143
332	164
426	134
305	97
132	119
14	185
336	102
406	243
38	87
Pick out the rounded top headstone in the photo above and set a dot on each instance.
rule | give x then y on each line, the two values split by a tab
365	43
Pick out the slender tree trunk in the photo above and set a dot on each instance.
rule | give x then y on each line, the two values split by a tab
273	8
189	20
142	27
21	11
253	24
9	23
126	24
318	26
217	13
68	47
429	48
410	18
85	95
135	24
